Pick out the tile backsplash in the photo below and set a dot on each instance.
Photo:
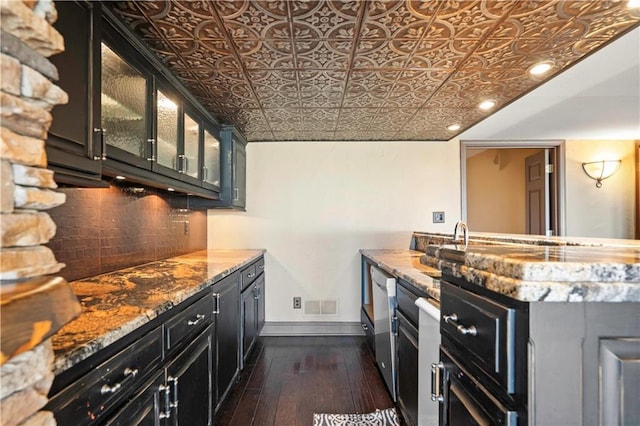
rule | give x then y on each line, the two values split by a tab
102	230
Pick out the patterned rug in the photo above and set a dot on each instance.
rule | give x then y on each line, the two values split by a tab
387	417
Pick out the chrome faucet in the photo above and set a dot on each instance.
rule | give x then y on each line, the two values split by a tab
465	232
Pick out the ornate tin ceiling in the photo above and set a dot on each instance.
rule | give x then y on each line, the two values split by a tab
366	70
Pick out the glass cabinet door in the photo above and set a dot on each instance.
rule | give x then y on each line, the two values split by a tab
211	169
191	156
167	132
123	104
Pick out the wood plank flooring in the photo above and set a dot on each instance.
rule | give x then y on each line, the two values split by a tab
287	379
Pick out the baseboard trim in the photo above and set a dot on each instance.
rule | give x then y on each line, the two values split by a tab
284	328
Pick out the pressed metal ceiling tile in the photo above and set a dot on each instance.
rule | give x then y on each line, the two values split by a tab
361	70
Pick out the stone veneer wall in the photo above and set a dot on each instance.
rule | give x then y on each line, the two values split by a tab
26	191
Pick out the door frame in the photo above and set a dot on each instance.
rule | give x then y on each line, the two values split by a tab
558	181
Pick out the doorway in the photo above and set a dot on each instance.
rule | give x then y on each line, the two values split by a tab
513	187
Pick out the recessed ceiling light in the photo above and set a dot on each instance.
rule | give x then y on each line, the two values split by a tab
487	105
120	177
453	127
170	189
540	68
633	4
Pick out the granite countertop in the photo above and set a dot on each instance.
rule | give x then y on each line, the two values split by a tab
116	303
535	273
406	264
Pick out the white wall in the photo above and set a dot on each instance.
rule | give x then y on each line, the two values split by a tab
314	205
609	211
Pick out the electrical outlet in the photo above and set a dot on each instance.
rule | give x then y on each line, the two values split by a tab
297	303
438	217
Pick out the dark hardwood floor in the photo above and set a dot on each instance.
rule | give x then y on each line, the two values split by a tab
287	379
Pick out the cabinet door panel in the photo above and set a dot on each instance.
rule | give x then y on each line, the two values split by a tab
123	105
249	319
191	158
408	369
189	378
167	131
227	332
211	170
144	408
260	304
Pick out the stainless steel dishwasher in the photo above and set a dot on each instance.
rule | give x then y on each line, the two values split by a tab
385	325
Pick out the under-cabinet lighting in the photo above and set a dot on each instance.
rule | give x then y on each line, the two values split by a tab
453	127
633	4
487	105
600	170
170	189
120	177
540	68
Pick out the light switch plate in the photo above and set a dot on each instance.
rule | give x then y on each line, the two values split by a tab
438	217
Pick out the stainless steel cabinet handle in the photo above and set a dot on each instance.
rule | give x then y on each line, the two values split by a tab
128	373
199	318
365	327
181	163
251	275
103	143
152	151
453	320
261	267
236	195
167	404
436	378
106	389
174	381
217	308
205	173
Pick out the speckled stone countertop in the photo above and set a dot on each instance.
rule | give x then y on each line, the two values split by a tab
532	273
406	264
116	303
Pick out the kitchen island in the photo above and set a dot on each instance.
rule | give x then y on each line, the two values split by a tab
534	330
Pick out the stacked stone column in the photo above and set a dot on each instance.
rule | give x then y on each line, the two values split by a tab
27	96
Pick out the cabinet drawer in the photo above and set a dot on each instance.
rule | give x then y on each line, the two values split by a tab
249	275
185	325
406	302
483	329
103	389
260	266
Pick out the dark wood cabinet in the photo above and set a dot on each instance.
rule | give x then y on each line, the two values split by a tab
127	116
146	408
233	171
407	346
73	151
227	294
408	369
253	304
175	370
189	377
249	316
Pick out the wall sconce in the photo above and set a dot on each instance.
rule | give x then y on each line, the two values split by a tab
600	170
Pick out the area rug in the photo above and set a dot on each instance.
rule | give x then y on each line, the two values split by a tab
387	417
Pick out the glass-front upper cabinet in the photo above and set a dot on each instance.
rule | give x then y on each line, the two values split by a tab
124	109
166	131
191	138
211	168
